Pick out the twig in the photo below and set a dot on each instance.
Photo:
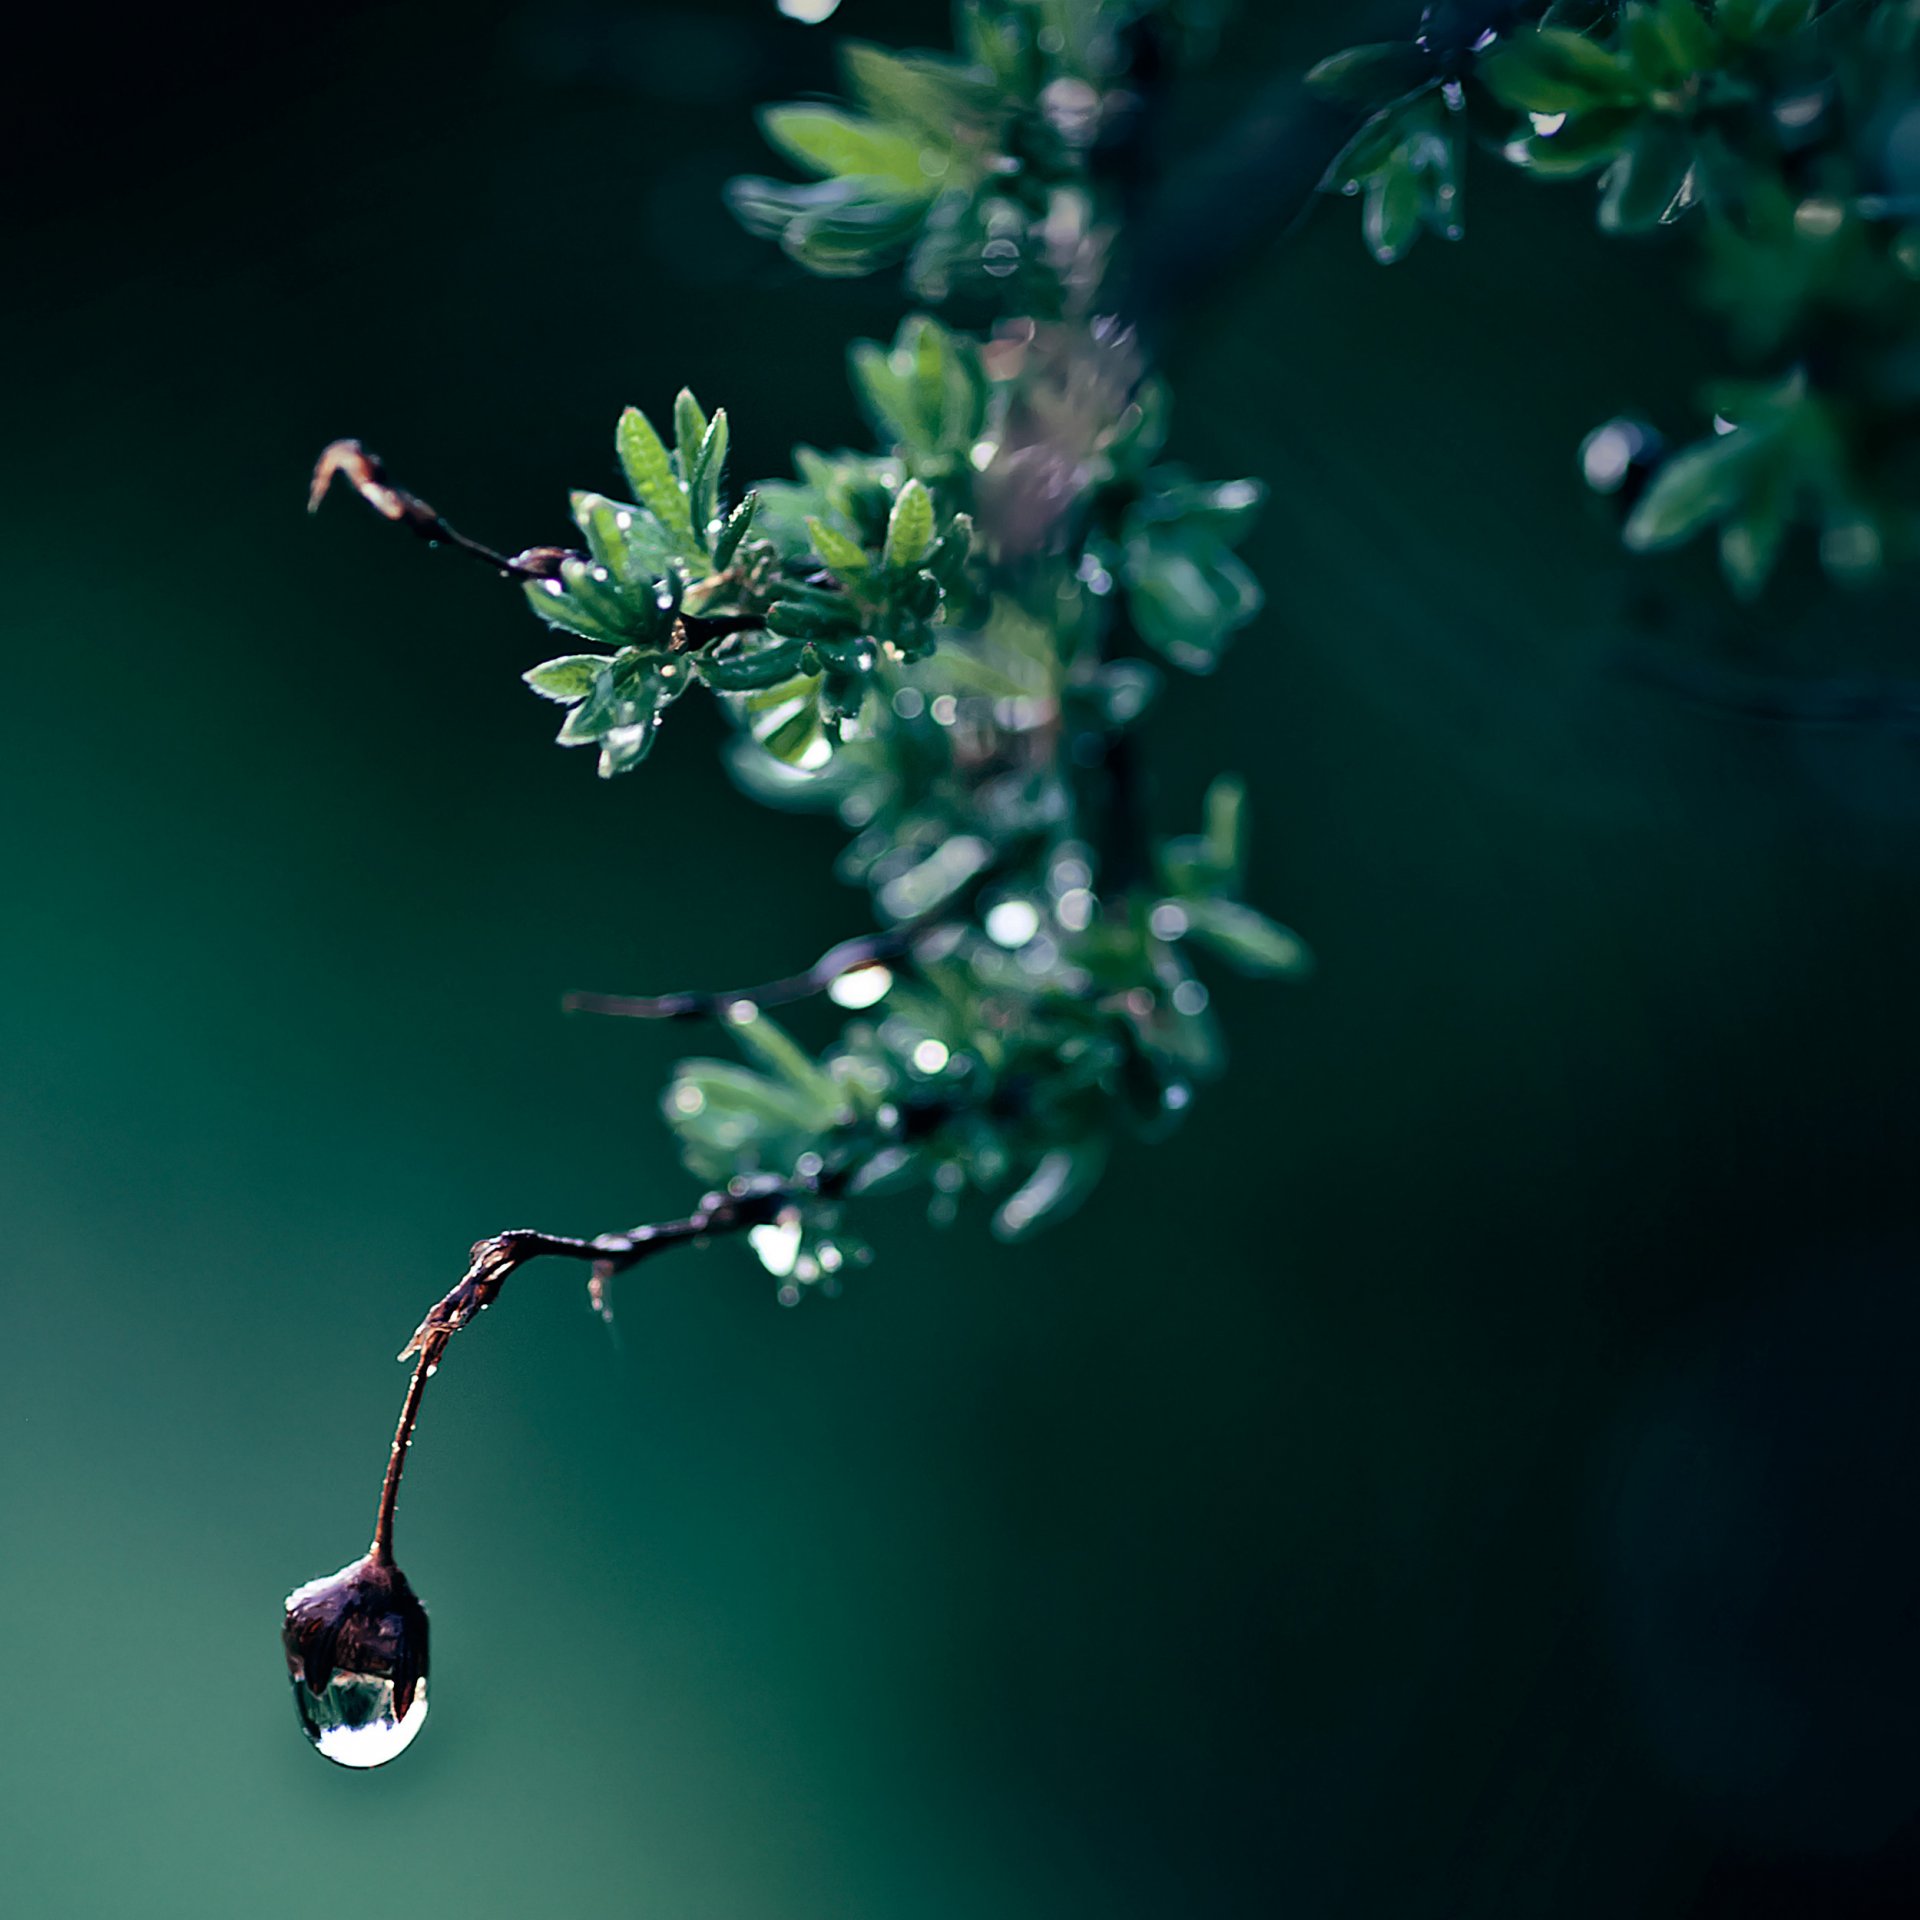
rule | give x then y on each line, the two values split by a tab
364	472
749	1201
873	949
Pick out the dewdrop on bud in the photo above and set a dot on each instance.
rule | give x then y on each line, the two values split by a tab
356	1645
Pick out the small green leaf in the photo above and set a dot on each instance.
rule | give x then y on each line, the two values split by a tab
1225	834
739	521
1698	485
1188	598
842	553
1369	150
1555	70
1370	76
909	527
649	471
1058	1184
827	142
1390	219
821	618
748	669
947	561
769	1045
1247	939
709	468
558	608
1644	187
1580	146
568	679
689	428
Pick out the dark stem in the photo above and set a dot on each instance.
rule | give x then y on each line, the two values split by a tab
396	1460
873	949
365	473
749	1201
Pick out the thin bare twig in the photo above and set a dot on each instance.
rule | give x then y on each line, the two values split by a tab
849	956
752	1200
363	471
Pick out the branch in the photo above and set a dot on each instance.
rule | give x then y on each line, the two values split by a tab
750	1201
364	472
870	950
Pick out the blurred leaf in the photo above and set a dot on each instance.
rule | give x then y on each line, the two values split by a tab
1246	939
1644	186
842	554
1694	488
1058	1184
1390	220
1372	75
827	142
1554	70
909	528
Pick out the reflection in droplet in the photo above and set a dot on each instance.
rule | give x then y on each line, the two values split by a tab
356	1646
354	1723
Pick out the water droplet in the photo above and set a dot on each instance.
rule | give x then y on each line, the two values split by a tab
356	1646
862	987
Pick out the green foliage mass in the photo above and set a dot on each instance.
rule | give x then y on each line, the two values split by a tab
1785	136
949	640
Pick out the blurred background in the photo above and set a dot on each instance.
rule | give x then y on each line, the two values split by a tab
1470	1471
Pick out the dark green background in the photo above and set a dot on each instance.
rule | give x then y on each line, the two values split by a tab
1469	1472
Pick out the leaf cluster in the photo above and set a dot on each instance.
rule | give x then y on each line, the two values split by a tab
1770	128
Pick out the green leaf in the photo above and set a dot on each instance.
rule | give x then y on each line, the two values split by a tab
930	97
1369	150
769	1045
748	669
739	521
1058	1184
1644	187
807	614
709	468
623	748
1188	598
947	561
833	227
827	142
1580	146
786	721
726	1117
1554	70
1761	21
649	471
842	554
689	428
909	527
1246	939
558	608
569	678
1698	485
1370	76
1225	834
630	543
1390	219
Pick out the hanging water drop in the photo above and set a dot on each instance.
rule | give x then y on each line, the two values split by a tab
356	1645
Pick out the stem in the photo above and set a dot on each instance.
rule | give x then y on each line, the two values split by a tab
849	956
396	1461
366	474
750	1201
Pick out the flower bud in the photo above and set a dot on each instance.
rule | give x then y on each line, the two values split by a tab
356	1646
